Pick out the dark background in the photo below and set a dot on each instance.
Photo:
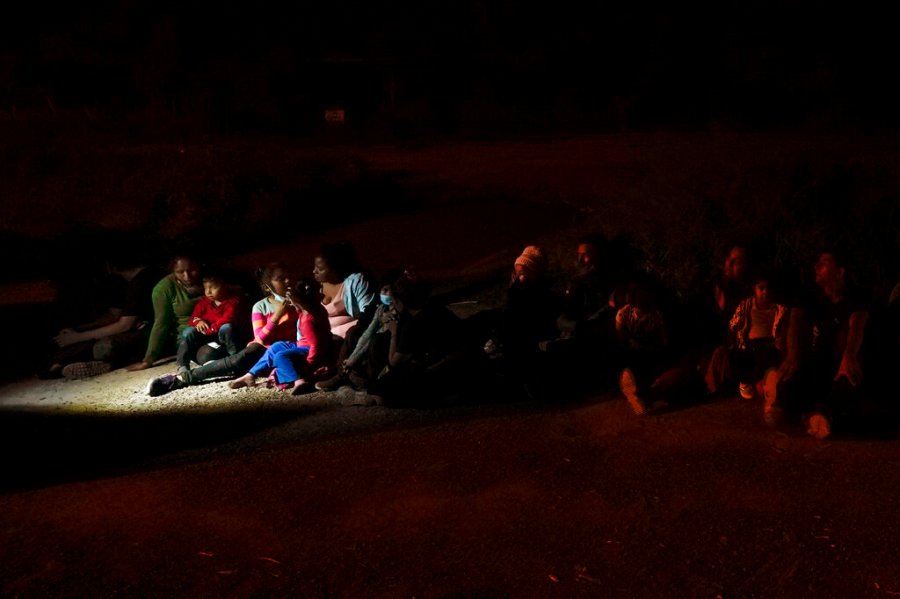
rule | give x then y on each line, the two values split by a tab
408	68
161	127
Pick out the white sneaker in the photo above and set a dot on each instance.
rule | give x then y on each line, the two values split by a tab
746	390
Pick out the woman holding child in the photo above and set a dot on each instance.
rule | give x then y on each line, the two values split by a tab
173	300
273	319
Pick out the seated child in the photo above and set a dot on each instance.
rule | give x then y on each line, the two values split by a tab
426	362
641	332
759	329
295	364
213	320
369	355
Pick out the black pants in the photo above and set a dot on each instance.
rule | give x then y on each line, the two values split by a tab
230	366
813	389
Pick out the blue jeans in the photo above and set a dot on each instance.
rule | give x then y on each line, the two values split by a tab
190	340
284	357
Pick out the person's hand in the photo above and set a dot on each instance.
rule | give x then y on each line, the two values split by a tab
850	369
67	337
139	366
202	327
788	368
391	327
387	316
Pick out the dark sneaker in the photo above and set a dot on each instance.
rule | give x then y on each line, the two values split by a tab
334	383
628	386
164	384
357	382
85	370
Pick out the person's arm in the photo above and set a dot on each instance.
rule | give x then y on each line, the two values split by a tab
850	366
621	328
163	318
109	317
359	296
738	318
121	325
200	318
264	325
395	358
226	315
365	339
779	330
796	324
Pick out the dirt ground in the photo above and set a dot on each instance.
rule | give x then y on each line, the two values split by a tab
209	492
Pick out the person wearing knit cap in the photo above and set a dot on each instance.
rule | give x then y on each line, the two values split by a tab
531	264
528	317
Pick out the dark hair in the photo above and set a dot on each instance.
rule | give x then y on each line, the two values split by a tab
214	280
595	240
341	258
838	255
264	275
390	277
184	257
411	291
306	292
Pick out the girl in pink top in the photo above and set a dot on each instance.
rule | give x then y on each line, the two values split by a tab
297	364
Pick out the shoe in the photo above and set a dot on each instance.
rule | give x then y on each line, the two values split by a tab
357	382
818	426
334	383
628	386
746	390
85	370
164	384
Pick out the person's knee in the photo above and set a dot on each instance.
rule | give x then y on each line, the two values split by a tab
225	332
189	334
103	349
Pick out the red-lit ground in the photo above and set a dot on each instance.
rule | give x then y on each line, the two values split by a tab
582	500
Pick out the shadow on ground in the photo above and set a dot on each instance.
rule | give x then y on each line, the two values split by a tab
46	449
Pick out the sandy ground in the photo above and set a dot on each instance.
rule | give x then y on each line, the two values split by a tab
121	393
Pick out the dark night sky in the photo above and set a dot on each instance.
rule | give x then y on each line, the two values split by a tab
614	65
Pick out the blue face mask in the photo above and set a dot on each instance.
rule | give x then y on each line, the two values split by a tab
387	300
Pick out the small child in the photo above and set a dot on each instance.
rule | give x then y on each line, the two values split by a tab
759	329
369	356
212	322
310	357
642	335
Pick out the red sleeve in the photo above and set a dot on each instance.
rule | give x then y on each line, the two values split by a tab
200	311
316	330
224	314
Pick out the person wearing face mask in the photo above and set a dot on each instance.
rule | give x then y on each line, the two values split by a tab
273	319
173	305
369	356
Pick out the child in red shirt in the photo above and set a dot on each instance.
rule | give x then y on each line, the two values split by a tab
212	322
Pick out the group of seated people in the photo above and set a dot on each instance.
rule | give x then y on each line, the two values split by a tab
391	344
